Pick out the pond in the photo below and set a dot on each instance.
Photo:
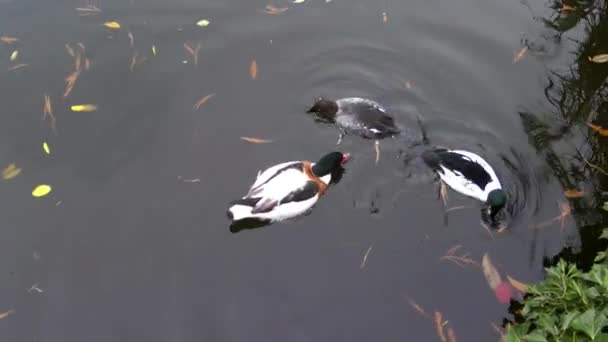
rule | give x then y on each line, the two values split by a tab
133	242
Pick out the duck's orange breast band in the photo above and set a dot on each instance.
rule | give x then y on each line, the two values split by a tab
308	172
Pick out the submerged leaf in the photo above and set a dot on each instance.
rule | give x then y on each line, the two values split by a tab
41	190
603	58
518	284
489	271
520	54
115	25
11	172
256	140
46	148
8	40
6	314
203	23
253	69
84	108
439	326
271	9
203	100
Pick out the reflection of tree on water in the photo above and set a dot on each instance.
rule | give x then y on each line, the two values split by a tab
575	153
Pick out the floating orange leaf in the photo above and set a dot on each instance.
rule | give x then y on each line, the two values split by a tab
599	129
439	323
115	25
48	112
522	287
253	69
6	314
574	193
490	273
451	335
603	58
202	101
520	54
256	140
10	171
70	81
8	40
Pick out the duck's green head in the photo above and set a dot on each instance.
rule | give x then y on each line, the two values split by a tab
497	199
329	163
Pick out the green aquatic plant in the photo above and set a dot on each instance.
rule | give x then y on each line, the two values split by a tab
569	305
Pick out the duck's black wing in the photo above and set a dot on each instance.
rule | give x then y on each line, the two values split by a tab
376	120
457	163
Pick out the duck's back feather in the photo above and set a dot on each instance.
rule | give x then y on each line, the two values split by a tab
365	117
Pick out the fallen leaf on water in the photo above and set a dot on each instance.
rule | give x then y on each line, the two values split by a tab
48	112
439	326
364	261
253	69
6	314
443	192
408	84
384	17
203	23
202	101
115	25
519	55
8	40
83	108
70	81
10	171
256	140
518	285
603	58
154	50
270	9
599	129
298	1
193	51
41	190
574	193
14	55
490	272
463	259
564	212
88	10
46	148
70	51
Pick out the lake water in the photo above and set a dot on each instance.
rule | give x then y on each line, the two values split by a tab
133	242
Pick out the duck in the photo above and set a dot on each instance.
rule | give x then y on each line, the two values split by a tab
287	190
355	115
469	174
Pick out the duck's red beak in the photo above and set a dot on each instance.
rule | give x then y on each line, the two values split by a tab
345	158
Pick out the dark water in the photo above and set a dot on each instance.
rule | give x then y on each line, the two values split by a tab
125	248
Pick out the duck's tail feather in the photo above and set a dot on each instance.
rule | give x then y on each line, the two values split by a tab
242	208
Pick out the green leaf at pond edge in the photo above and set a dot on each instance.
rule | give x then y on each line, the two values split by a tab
590	322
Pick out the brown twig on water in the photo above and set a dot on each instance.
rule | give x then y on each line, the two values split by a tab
463	260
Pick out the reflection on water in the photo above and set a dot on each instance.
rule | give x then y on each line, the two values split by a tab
153	256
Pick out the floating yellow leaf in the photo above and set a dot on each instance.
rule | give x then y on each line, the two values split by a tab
84	108
599	58
41	190
256	140
46	148
574	193
518	285
203	23
253	69
599	129
298	1
11	171
490	272
115	25
8	40
154	50
14	55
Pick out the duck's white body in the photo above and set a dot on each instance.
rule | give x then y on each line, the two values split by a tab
285	187
464	172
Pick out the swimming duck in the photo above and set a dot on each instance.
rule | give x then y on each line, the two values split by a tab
357	116
287	190
469	174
